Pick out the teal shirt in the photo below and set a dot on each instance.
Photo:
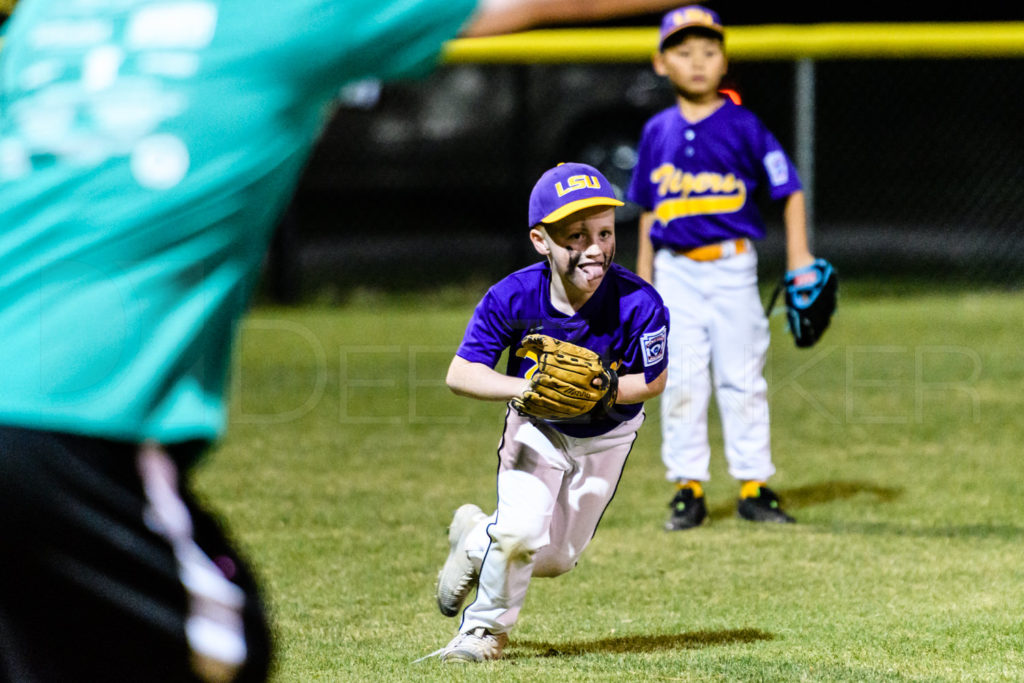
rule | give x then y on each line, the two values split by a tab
147	150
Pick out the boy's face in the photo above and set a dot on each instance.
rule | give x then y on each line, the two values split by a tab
695	65
580	248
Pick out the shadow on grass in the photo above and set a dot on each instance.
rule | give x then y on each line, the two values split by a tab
692	640
829	491
817	494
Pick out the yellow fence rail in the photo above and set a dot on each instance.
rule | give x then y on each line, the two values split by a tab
803	44
766	42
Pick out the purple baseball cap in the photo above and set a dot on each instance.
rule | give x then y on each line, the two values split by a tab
691	16
566	189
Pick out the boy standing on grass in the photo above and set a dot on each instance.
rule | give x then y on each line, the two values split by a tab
555	477
700	164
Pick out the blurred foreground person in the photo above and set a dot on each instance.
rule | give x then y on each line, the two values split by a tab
147	149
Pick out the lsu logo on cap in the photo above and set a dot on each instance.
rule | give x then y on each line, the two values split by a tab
653	345
693	15
577	182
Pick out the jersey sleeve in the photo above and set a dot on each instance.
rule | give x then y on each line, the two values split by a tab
396	38
779	169
639	191
488	333
647	350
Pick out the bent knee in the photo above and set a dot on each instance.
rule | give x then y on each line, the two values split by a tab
519	537
549	564
524	514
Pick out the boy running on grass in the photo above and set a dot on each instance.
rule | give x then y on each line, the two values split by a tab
555	477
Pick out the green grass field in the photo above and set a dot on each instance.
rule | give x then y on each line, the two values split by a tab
898	442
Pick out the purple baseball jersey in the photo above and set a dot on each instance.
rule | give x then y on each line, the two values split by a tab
624	321
700	179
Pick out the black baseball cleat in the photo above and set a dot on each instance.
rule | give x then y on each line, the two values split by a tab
758	503
688	508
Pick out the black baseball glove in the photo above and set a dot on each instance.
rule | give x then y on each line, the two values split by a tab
810	301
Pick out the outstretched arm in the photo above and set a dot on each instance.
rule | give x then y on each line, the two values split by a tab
794	215
477	380
493	17
644	248
635	389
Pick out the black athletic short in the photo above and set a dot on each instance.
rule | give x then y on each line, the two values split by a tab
88	592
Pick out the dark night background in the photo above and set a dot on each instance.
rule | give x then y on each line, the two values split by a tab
918	162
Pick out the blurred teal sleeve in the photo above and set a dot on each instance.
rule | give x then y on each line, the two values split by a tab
402	38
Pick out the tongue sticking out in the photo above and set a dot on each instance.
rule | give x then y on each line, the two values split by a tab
592	270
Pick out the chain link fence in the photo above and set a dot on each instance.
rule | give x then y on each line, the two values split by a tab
916	163
918	168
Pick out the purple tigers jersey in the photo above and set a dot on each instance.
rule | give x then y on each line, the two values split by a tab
624	321
700	178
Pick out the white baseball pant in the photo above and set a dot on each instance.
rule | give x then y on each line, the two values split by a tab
719	335
552	492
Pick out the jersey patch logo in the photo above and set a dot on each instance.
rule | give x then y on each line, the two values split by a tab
778	169
653	346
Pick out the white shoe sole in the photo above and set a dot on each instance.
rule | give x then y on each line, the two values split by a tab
458	573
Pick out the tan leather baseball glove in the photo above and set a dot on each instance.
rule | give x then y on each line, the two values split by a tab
569	381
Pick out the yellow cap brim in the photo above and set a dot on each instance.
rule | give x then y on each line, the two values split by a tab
578	205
